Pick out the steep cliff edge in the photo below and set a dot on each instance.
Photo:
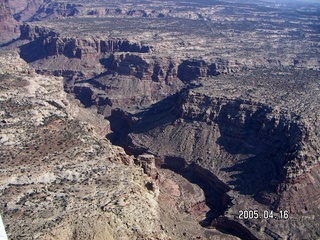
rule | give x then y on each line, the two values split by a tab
60	178
108	73
247	136
265	150
50	43
136	62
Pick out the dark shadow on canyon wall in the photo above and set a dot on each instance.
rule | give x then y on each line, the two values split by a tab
228	226
122	123
216	196
190	70
6	44
32	51
214	189
85	95
263	145
159	114
259	145
257	142
253	174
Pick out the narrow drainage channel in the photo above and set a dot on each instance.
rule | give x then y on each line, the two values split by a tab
216	196
215	190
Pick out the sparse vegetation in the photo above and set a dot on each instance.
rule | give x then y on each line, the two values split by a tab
225	93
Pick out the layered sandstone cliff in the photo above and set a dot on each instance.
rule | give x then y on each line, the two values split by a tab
247	138
109	65
60	179
260	154
50	44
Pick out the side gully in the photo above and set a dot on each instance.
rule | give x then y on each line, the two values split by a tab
215	191
260	141
216	194
128	132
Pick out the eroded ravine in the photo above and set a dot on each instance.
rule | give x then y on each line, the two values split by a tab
215	190
233	149
262	148
216	198
245	140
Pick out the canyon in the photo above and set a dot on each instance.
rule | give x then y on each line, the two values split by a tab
201	110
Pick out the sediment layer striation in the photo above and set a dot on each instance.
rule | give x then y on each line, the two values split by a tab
221	96
259	148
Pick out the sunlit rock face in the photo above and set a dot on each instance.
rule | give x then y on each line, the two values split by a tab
217	101
57	165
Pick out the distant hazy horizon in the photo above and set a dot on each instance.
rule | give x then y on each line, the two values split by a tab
288	1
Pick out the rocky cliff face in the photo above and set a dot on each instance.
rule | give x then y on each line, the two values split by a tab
50	9
60	178
234	129
35	10
101	61
24	10
113	64
246	139
8	26
243	122
50	43
190	70
254	148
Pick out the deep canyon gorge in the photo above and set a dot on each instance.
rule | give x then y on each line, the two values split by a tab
160	120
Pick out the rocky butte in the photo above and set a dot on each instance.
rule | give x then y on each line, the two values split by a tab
205	116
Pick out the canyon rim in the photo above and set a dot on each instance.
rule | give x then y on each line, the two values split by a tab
140	119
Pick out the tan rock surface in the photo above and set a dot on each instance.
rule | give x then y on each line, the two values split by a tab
248	137
60	179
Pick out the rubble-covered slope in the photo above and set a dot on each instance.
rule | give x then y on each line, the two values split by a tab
59	178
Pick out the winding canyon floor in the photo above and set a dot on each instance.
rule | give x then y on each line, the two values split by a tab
160	120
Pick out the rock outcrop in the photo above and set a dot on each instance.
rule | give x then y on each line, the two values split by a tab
190	70
50	43
8	26
106	61
60	179
51	9
241	135
257	148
